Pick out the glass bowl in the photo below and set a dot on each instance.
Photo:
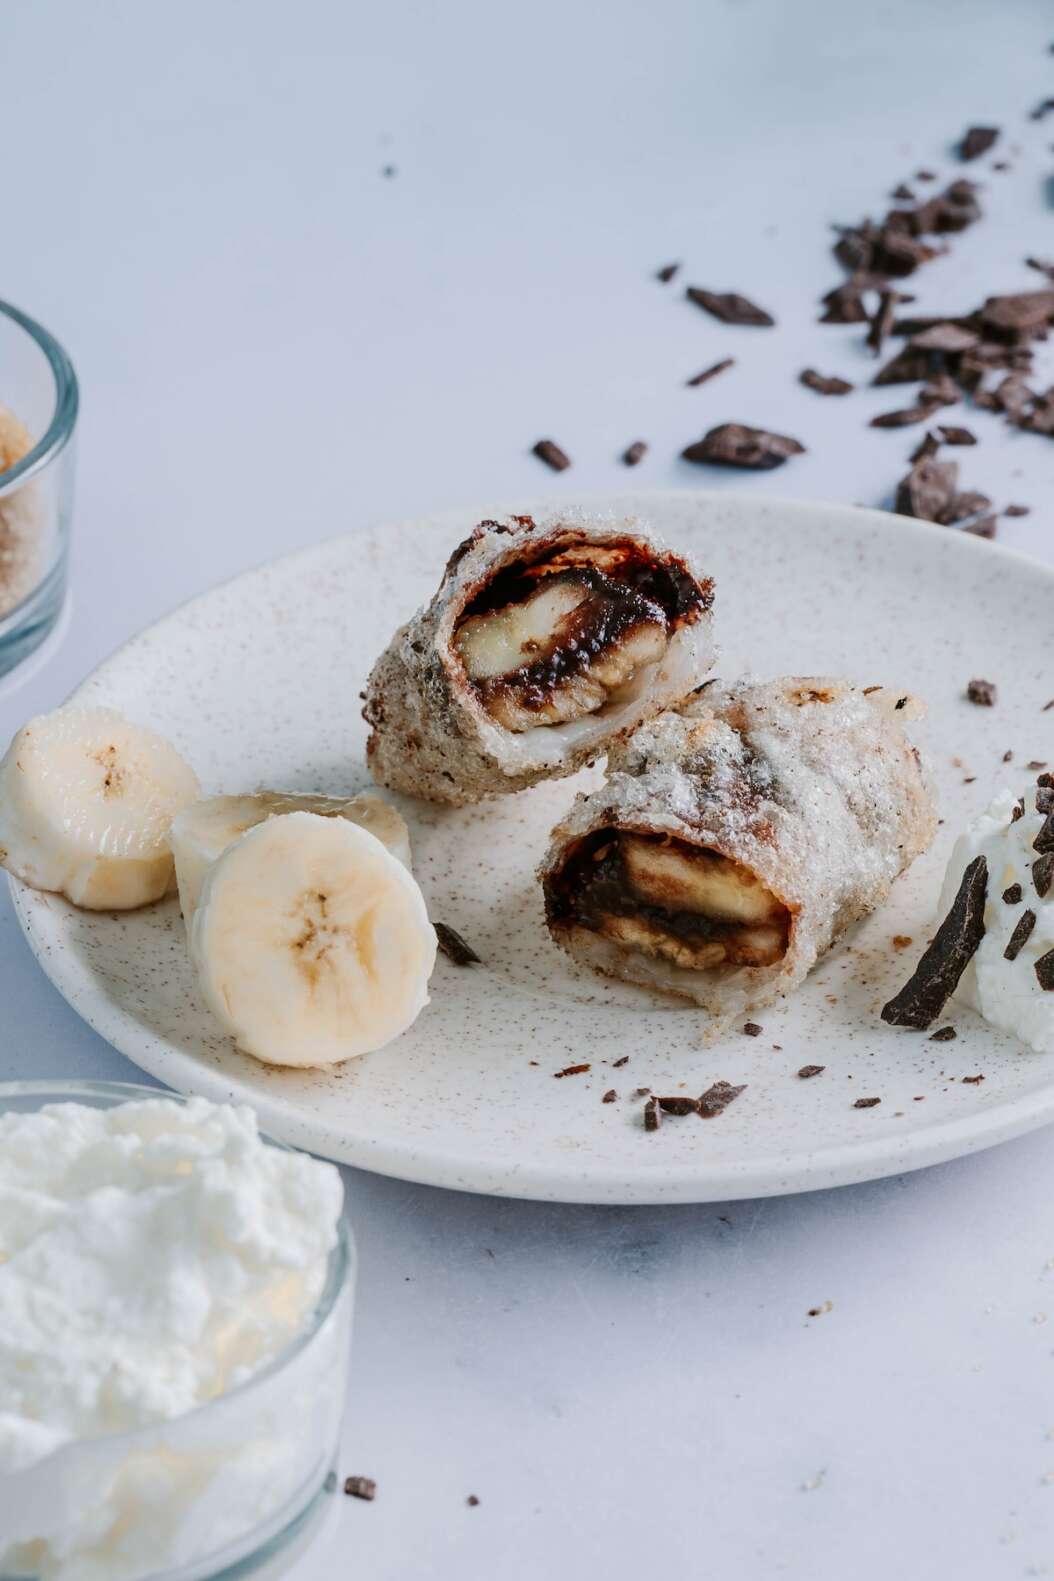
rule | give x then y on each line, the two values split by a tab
38	394
221	1491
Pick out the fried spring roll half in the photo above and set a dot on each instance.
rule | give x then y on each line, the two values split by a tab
735	840
542	644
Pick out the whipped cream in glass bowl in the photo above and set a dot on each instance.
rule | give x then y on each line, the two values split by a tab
175	1313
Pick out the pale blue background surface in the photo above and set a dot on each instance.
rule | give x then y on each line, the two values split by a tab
277	344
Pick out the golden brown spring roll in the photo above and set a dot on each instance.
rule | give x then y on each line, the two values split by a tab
733	841
542	644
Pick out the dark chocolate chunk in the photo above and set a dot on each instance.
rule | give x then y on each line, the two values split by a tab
617	1064
928	489
360	1487
903	193
976	140
1017	510
717	1098
1012	895
453	946
549	451
642	1092
927	446
571	1070
729	306
667	272
609	1096
811	1070
903	418
472	1501
956	436
1022	931
866	1103
1043	875
824	384
737	445
907	367
752	1029
882	320
1045	972
981	692
944	337
652	1115
1046	781
931	985
1018	316
634	453
1044	840
1019	810
943	1035
925	175
678	1105
969	503
941	390
1045	799
710	373
845	305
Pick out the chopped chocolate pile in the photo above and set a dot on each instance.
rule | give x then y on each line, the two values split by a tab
729	306
981	692
636	452
811	1070
873	254
710	373
549	451
935	978
737	445
717	1098
453	946
977	140
824	384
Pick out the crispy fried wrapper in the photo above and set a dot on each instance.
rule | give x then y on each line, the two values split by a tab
736	839
544	642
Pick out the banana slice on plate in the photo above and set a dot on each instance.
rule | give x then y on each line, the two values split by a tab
86	804
311	941
203	831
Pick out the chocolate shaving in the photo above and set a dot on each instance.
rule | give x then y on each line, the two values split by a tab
981	692
729	306
1012	895
1020	936
360	1487
824	384
882	320
956	436
931	985
973	1081
1017	510
903	418
549	451
609	1096
717	1098
737	445
811	1070
845	304
678	1105
667	272
752	1029
1045	971
454	947
927	446
711	372
1044	841
907	367
976	140
866	1103
943	1035
571	1070
634	453
617	1064
652	1115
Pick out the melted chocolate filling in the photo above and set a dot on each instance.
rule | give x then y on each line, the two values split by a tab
666	582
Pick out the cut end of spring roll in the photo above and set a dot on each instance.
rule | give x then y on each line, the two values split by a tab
734	840
543	643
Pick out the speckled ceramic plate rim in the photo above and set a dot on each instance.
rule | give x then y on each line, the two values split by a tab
753	1175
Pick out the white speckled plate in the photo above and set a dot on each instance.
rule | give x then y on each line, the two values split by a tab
258	683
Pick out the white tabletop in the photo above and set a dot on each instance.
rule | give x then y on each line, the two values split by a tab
278	342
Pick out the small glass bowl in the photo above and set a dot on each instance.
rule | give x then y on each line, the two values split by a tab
38	387
225	1490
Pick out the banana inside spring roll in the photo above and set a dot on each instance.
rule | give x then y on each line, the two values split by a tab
735	840
542	644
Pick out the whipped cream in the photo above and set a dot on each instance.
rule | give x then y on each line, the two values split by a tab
1007	993
153	1257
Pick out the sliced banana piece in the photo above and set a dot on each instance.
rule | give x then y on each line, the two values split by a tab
635	933
311	941
204	830
502	641
708	883
86	805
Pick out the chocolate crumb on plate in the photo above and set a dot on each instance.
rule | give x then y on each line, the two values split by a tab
825	1306
667	272
729	306
360	1487
549	451
609	1096
903	193
454	947
1020	936
973	1081
935	978
1036	763
1012	895
678	1105
1045	972
983	693
652	1115
811	1070
902	941
925	175
571	1070
1008	756
1018	510
956	436
943	1035
472	1501
617	1064
902	418
866	1103
634	453
642	1092
976	140
710	373
752	1029
717	1098
739	445
824	384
